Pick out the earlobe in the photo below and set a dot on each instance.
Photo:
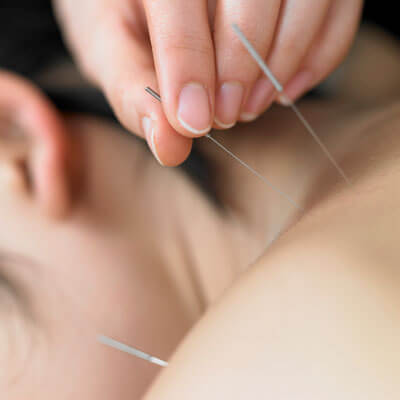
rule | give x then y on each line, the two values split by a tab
40	150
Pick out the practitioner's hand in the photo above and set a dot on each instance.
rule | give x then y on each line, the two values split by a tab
203	72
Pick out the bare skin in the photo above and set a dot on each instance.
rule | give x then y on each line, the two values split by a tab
316	316
187	50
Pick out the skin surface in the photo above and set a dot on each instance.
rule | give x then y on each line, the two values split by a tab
315	316
188	52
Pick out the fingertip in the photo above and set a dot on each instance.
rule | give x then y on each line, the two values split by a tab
194	112
222	126
228	104
148	126
169	148
260	98
174	150
296	87
284	100
248	117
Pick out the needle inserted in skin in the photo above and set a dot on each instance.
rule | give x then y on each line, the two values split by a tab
130	350
244	164
262	64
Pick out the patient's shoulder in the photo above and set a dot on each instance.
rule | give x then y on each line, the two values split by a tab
353	228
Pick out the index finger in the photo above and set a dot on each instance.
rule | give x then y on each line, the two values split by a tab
184	57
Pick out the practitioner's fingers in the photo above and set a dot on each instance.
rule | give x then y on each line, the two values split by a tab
329	48
126	69
184	56
300	22
236	70
115	54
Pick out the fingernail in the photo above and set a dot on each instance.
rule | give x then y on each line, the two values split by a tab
194	109
260	98
284	100
229	102
299	84
148	128
248	117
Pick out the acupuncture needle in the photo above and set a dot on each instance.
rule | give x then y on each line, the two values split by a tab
267	71
239	160
131	350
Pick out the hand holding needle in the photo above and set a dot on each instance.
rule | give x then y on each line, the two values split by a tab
240	161
266	70
140	354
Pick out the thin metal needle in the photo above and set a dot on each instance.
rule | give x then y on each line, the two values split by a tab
244	164
153	93
264	67
130	350
265	180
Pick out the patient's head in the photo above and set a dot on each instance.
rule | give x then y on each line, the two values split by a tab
83	249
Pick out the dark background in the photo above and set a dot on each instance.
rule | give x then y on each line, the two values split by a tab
30	39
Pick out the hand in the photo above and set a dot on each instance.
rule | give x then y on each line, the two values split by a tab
188	51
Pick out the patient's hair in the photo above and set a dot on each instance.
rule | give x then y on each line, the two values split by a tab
30	39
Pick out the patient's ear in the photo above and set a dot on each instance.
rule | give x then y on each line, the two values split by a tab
35	152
